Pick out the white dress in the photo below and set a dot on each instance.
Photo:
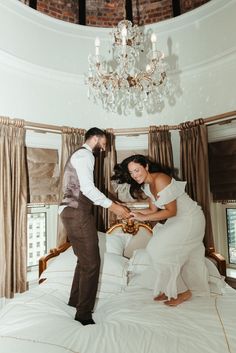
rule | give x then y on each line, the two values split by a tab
176	249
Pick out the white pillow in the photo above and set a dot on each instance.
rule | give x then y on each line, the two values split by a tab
64	264
141	273
215	280
113	275
114	268
139	262
102	239
105	290
139	241
116	243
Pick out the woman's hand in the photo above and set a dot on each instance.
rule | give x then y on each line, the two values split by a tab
138	216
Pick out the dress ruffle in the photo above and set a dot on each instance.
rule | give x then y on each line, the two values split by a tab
168	194
166	280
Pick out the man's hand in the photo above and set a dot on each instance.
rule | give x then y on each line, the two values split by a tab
119	210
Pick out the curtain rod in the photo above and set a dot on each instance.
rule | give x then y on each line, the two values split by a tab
43	127
145	130
40	127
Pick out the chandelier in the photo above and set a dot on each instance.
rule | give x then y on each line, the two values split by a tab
120	85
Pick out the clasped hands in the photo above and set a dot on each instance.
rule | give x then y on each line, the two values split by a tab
125	213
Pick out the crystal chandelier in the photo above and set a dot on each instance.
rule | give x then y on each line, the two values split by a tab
124	86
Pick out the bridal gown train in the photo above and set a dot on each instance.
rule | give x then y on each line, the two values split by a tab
176	249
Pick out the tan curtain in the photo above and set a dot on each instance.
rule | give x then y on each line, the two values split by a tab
72	139
99	181
160	146
13	211
109	163
104	167
195	170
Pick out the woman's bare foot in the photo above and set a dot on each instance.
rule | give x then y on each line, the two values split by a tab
182	297
160	297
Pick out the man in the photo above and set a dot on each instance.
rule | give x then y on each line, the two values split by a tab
80	194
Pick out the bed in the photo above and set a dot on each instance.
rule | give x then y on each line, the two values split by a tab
127	319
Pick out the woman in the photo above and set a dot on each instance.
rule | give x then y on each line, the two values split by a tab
176	249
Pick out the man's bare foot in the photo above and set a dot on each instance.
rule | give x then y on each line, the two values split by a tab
182	297
160	297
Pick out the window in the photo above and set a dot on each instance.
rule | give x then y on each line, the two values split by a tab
224	230
33	218
231	234
41	231
222	161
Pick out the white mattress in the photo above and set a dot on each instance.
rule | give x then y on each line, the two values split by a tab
130	322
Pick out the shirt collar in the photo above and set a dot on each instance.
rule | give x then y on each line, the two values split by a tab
87	147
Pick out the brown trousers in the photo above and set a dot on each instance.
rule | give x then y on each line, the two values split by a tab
80	227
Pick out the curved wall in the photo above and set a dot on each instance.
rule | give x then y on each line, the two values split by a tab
43	62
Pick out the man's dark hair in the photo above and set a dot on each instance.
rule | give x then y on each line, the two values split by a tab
94	131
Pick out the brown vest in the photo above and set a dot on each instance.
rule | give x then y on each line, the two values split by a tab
71	185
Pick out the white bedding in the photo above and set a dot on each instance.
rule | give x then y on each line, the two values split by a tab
129	322
127	319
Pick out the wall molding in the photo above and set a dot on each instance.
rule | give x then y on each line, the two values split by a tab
65	36
12	62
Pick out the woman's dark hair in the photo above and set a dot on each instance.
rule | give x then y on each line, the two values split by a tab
122	175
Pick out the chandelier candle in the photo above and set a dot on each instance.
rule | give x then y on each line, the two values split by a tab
153	40
97	45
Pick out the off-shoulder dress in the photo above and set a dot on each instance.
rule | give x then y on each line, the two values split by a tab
176	249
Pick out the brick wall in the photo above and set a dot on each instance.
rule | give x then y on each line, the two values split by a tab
107	13
66	10
150	11
187	5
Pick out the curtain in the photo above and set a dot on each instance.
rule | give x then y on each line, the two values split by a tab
195	170
72	139
160	146
13	208
103	171
99	181
109	163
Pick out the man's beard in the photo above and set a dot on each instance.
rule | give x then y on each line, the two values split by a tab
97	149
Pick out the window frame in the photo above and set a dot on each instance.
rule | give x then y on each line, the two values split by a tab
222	245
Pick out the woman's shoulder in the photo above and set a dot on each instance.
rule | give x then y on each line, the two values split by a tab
170	192
162	180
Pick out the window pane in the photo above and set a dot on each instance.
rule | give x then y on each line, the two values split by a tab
231	233
36	233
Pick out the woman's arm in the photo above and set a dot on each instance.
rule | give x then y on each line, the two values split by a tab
150	209
169	211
